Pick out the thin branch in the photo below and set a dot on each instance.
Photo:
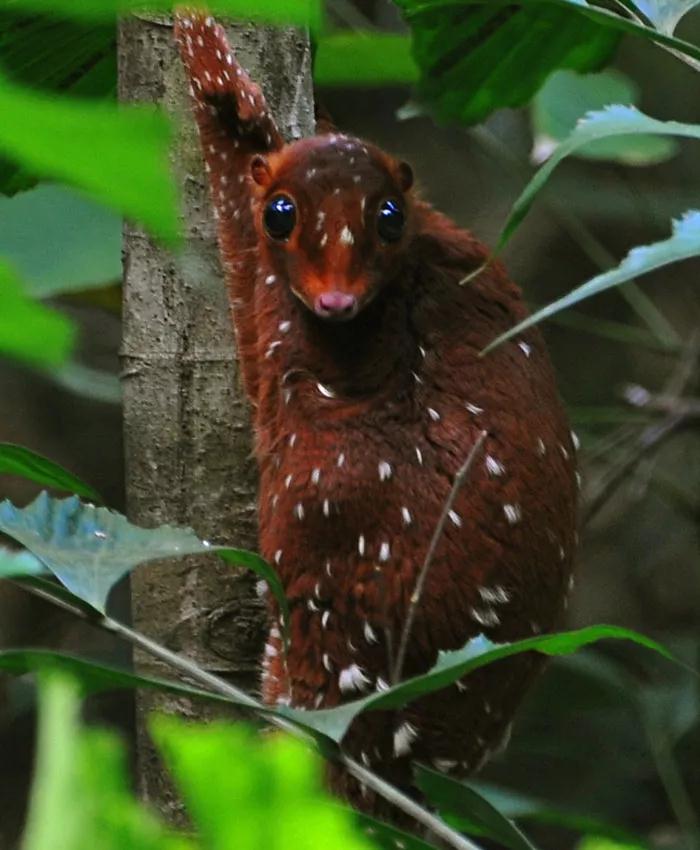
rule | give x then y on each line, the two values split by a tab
220	686
460	478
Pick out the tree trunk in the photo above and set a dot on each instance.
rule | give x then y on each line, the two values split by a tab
187	435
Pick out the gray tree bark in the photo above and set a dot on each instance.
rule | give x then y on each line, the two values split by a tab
187	436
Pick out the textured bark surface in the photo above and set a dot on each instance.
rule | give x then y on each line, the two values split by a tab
187	436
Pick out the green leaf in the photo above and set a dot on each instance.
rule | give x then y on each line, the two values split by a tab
665	14
95	384
514	805
600	842
252	561
41	51
60	241
300	13
81	797
476	57
388	837
683	244
14	564
455	798
453	665
117	153
231	781
89	548
16	460
30	331
616	120
364	59
92	677
566	97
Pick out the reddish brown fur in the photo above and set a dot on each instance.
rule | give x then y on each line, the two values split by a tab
361	426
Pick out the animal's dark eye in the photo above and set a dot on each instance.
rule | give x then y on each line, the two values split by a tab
390	221
280	217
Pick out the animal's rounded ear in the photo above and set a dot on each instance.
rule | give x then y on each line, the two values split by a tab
404	174
260	170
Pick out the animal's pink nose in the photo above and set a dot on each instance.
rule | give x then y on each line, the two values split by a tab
336	305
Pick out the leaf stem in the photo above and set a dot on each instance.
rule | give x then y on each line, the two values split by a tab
220	686
459	480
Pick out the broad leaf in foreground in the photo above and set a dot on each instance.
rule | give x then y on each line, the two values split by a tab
17	460
477	57
615	120
80	796
89	548
231	782
455	664
301	12
684	244
117	153
364	59
30	331
60	241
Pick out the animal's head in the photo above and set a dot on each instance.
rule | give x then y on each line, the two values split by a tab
334	217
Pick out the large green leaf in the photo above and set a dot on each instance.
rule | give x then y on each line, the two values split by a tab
89	548
364	59
16	460
81	797
478	57
566	97
117	153
47	53
453	665
29	331
615	120
232	781
59	240
683	244
301	12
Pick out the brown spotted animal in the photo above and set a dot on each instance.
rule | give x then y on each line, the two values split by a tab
360	353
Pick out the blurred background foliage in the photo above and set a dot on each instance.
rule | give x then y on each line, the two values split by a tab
606	746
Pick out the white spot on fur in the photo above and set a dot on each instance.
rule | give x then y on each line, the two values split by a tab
270	279
278	557
474	408
513	513
346	237
485	616
369	634
385	470
299	511
325	392
524	347
496	594
384	551
494	467
361	544
404	737
455	518
434	415
315	475
352	678
406	516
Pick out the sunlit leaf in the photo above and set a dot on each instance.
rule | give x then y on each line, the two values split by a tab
616	120
28	330
89	548
684	244
364	59
117	153
300	13
17	460
231	781
601	842
453	665
81	796
566	97
60	241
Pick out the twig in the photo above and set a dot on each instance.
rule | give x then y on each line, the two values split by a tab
220	686
460	478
